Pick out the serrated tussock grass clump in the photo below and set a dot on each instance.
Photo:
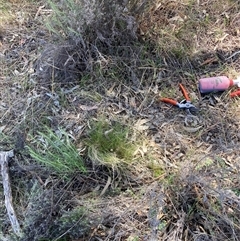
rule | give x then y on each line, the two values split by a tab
110	144
57	152
194	200
71	18
84	32
72	224
90	19
64	225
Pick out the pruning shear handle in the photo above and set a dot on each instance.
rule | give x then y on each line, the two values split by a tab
169	101
236	93
185	94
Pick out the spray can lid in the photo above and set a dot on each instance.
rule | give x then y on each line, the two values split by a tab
237	81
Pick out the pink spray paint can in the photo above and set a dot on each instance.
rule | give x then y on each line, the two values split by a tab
214	84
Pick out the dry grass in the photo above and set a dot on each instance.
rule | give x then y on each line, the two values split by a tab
186	28
183	180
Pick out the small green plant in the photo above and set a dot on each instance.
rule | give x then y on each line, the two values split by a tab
109	144
133	238
205	164
56	152
156	169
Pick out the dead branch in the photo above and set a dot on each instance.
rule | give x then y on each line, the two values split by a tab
4	158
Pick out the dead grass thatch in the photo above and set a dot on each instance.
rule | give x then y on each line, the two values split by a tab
183	180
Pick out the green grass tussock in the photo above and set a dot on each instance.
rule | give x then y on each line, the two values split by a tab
57	152
110	144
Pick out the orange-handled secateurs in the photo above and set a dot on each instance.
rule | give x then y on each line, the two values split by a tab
184	104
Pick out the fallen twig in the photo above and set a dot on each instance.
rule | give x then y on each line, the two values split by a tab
4	158
231	56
